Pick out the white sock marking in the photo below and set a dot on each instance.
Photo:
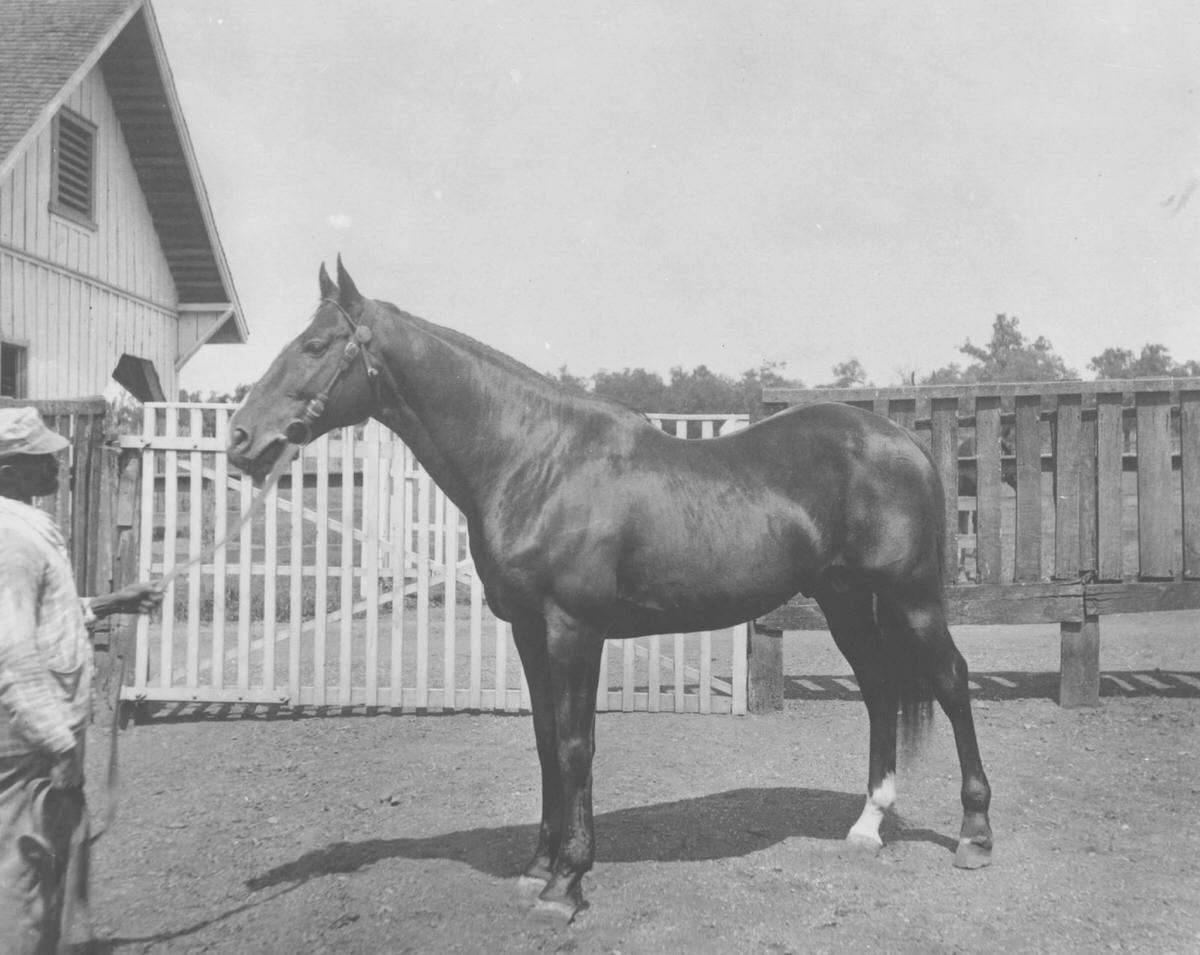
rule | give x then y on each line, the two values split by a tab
878	802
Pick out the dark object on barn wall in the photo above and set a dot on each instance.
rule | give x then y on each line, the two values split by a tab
139	377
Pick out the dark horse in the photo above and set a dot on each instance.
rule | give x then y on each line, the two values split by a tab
588	523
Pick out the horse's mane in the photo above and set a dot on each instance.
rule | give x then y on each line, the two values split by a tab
507	362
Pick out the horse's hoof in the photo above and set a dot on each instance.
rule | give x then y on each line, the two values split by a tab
530	886
559	911
864	839
971	855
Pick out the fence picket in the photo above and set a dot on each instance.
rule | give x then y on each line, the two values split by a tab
245	558
195	544
602	704
476	684
654	676
398	524
170	544
988	474
449	604
141	653
680	699
1156	530
422	525
296	578
369	562
628	655
501	697
1189	453
346	569
321	561
270	584
220	582
1110	446
1028	560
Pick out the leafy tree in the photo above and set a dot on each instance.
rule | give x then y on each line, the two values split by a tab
767	375
571	381
1153	362
1009	356
849	374
636	387
698	391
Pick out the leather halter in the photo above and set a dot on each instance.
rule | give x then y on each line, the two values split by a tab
298	429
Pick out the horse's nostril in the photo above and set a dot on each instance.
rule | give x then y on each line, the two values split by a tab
297	432
239	439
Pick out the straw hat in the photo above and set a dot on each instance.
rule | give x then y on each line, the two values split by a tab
22	432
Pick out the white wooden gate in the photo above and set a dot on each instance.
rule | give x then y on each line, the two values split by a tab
353	587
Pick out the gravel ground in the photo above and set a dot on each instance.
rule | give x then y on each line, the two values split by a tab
390	834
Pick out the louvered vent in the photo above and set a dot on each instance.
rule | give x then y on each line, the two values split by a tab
74	139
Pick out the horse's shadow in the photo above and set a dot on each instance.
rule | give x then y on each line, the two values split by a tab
718	826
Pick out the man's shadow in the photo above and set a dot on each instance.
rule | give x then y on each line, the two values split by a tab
719	826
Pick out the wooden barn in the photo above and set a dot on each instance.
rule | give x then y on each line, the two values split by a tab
110	262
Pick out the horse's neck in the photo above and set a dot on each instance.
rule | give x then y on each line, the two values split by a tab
469	414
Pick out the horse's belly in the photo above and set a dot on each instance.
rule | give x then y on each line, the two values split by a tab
709	585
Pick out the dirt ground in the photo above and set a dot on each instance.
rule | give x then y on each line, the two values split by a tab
393	834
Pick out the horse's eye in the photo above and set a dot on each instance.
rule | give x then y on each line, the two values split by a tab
315	347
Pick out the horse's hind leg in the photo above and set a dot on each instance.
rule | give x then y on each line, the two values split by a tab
917	613
849	610
530	638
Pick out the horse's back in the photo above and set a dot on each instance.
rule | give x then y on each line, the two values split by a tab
727	528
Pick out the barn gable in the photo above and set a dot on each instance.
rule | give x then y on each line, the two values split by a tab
130	263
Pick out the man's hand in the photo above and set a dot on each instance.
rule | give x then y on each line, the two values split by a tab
143	597
67	771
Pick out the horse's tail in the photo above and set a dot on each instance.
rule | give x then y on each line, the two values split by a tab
909	672
910	657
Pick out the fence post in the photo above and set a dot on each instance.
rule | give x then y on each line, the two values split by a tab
1079	671
765	671
124	559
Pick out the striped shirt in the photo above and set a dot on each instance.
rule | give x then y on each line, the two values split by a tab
45	652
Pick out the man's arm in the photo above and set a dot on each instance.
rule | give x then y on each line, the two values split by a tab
141	597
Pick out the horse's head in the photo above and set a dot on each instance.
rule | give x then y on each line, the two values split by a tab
322	380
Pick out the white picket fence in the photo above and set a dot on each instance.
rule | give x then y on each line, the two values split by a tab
354	587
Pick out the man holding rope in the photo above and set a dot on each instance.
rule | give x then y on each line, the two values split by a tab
45	690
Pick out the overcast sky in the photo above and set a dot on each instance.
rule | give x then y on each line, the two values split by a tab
610	185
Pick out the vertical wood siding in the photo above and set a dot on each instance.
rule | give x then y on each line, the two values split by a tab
76	297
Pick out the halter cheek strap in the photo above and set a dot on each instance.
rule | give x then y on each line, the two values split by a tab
298	430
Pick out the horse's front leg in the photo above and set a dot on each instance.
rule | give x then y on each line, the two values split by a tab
573	652
529	634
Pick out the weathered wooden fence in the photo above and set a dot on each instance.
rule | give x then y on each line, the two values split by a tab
82	506
353	587
1083	500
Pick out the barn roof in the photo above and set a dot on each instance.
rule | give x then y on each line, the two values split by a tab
47	48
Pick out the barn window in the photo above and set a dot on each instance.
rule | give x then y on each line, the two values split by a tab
73	173
12	371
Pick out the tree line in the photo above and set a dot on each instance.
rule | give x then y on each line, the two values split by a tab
1009	355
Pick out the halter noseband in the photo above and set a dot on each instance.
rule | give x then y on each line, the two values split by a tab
298	429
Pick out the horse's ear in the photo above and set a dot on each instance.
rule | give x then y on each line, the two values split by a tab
348	293
328	289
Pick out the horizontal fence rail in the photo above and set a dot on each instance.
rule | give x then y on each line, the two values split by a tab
354	587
